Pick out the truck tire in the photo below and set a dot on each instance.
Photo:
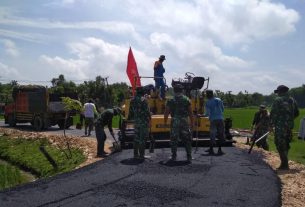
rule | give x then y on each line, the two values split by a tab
11	120
61	123
38	123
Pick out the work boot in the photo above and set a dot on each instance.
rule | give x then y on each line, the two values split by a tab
135	150
220	152
173	157
142	151
283	167
189	158
211	151
152	147
284	160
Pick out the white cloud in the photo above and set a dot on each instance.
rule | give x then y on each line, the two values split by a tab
32	37
75	69
8	72
230	21
200	36
10	48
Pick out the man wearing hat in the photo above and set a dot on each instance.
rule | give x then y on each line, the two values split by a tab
262	126
105	118
283	112
140	113
180	110
257	116
214	109
158	76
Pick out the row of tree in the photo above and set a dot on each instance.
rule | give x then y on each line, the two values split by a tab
244	99
108	95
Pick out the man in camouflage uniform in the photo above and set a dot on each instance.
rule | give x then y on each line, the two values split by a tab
283	112
262	127
105	118
257	116
180	109
140	113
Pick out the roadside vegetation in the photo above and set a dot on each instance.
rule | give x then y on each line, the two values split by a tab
26	154
10	176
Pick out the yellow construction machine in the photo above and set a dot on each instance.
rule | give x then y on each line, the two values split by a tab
159	132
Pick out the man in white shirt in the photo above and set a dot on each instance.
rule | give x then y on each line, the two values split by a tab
89	111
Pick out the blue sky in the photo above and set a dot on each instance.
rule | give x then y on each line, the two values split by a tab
252	45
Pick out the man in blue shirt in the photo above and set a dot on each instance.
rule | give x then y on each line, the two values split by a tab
214	109
158	74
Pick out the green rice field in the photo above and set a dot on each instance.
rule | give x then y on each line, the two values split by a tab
243	117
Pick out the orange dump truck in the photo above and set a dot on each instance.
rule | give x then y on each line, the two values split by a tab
35	105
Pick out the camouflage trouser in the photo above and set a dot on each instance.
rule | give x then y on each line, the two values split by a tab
141	133
180	131
282	138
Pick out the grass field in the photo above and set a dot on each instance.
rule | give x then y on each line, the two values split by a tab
243	117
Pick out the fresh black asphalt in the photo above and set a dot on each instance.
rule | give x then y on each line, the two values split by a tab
233	179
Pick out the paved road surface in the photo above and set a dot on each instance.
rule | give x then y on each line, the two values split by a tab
234	179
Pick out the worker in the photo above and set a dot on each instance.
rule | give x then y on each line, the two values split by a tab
214	110
140	113
283	112
257	116
180	110
261	128
105	118
89	113
159	77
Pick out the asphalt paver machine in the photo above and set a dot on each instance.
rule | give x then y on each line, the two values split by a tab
194	88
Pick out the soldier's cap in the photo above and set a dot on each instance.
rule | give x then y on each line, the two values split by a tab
262	106
162	57
281	89
117	110
209	92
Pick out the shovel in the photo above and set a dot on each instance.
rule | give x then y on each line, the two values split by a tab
116	145
256	141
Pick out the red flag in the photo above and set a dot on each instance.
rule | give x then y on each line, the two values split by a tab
132	71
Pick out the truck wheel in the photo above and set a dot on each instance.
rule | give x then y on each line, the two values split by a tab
11	121
38	123
61	124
